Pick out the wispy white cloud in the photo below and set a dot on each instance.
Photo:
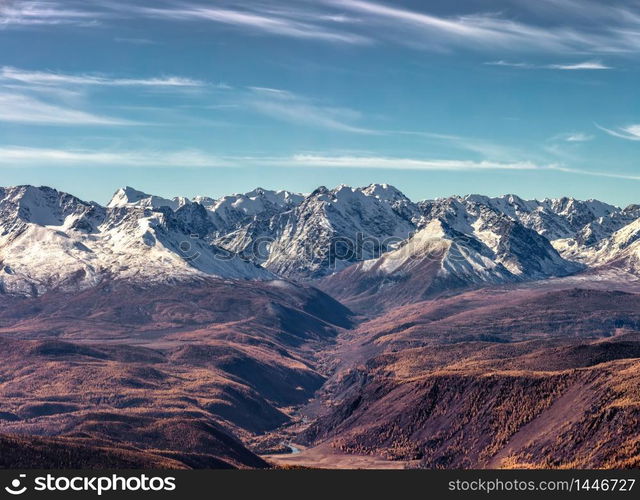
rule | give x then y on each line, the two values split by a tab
21	156
43	13
280	104
585	65
580	66
375	162
16	156
591	173
17	108
290	24
630	132
13	156
63	93
483	147
575	137
293	108
509	64
54	98
481	31
53	78
390	163
605	13
567	146
585	28
272	91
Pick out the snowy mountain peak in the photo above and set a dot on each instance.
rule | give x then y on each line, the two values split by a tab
483	222
576	208
632	210
325	232
126	196
460	244
513	199
230	212
369	196
558	218
261	192
50	239
253	201
384	192
319	191
476	198
38	205
129	196
620	249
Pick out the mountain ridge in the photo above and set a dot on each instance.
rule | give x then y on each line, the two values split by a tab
51	238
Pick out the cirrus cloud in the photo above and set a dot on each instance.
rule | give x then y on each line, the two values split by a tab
54	78
17	108
579	66
629	132
14	156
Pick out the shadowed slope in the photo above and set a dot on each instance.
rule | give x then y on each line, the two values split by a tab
172	370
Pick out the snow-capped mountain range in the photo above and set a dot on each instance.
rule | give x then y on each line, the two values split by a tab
51	239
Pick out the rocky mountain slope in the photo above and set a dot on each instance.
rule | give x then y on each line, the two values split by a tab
620	249
552	218
464	244
573	226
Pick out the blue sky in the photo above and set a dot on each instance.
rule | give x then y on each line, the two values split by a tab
212	97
